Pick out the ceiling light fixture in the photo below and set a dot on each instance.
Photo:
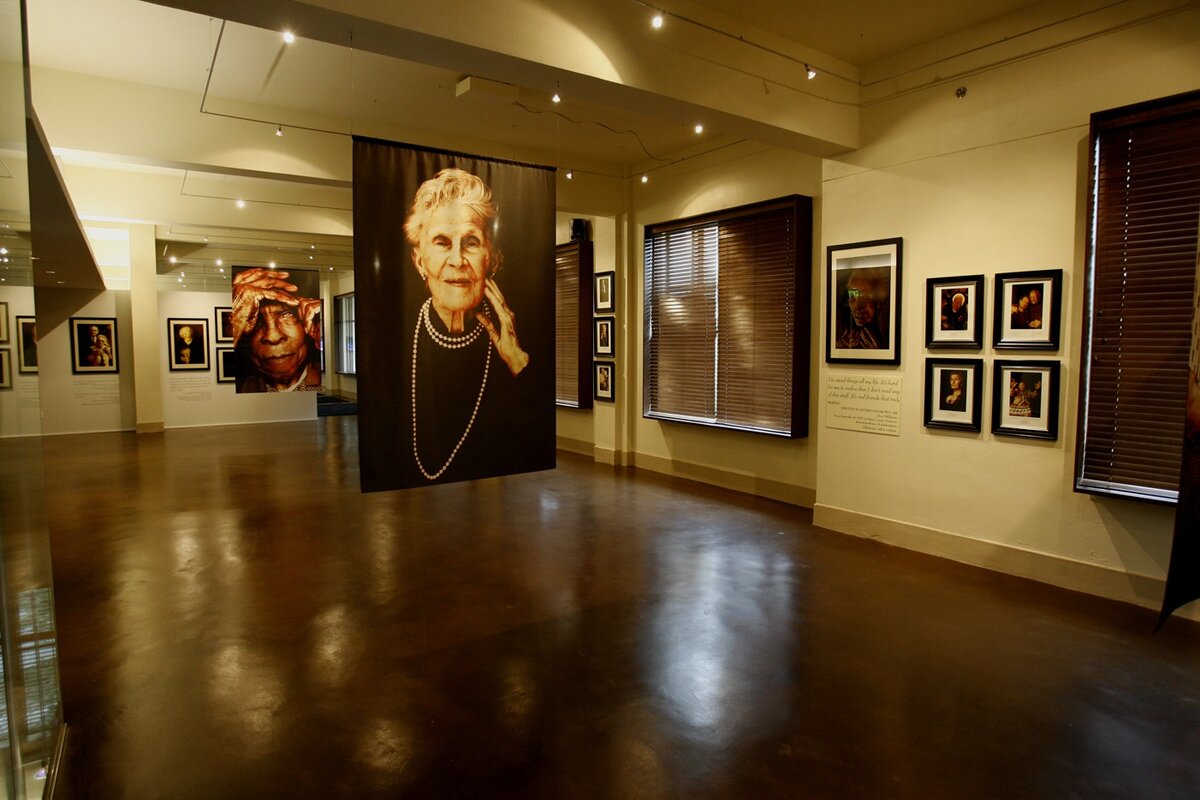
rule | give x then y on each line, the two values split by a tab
656	21
3	251
699	128
279	130
220	262
172	259
645	179
570	174
812	73
241	203
288	37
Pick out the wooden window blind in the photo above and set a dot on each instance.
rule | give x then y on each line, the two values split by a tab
345	360
727	307
573	307
1145	213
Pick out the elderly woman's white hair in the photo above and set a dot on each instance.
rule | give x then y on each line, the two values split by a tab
449	186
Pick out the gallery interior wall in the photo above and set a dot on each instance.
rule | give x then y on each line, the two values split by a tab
20	412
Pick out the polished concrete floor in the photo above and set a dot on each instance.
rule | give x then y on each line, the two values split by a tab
237	621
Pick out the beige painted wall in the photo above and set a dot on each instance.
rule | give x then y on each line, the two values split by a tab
990	183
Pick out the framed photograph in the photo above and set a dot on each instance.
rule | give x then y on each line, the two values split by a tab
954	393
226	365
605	384
223	324
4	335
1025	399
93	344
6	369
187	344
954	312
605	341
27	359
1027	310
605	294
862	302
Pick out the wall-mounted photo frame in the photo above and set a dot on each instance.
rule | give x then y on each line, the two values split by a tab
954	313
223	324
93	344
187	344
27	357
605	294
604	387
1028	306
862	302
954	393
605	339
6	369
4	333
226	365
1025	398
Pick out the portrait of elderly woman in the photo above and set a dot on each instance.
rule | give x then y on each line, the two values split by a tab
455	325
276	323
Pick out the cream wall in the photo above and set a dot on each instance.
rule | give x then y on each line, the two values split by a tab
782	468
990	183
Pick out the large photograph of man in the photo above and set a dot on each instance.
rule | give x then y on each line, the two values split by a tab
454	286
863	302
276	322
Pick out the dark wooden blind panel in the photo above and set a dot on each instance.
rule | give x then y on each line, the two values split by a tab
721	319
1146	196
573	324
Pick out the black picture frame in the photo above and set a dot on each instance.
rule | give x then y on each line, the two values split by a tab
98	354
604	292
6	380
1027	327
604	339
4	332
223	324
947	405
196	349
954	313
226	365
863	302
1025	398
27	358
604	383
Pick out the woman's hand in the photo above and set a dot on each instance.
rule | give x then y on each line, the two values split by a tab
502	330
251	288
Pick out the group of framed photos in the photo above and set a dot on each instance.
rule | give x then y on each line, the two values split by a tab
604	336
1027	316
189	344
93	346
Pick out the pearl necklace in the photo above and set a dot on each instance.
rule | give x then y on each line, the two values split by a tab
452	343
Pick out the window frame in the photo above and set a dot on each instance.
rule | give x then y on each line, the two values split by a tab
339	341
798	209
582	372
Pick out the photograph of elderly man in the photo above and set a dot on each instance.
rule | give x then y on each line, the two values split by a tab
276	323
454	320
863	316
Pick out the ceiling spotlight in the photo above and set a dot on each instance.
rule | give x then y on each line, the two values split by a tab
241	203
812	73
183	274
288	37
645	179
331	269
310	258
312	247
206	240
699	128
556	98
570	174
3	251
271	265
220	262
656	21
221	270
279	130
172	259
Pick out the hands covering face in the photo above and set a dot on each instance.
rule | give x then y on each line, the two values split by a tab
254	286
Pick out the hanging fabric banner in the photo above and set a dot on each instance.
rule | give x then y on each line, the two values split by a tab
275	325
1183	574
454	315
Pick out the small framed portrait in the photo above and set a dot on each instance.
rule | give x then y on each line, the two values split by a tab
187	343
223	324
6	369
862	302
93	344
954	312
226	365
954	393
606	336
4	334
605	385
605	294
1027	310
1025	398
27	341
